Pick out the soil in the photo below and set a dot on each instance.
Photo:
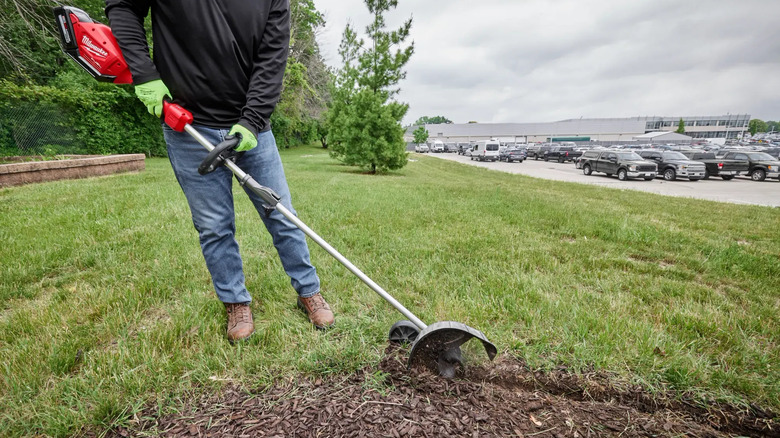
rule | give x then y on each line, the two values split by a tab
502	398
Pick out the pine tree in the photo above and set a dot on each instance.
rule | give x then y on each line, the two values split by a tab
681	127
365	120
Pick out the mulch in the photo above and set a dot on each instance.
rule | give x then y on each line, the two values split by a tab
503	398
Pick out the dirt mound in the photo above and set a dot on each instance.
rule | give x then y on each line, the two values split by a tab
502	399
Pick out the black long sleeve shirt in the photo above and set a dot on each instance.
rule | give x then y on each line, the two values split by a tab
223	60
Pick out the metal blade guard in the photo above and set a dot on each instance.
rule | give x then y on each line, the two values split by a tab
438	346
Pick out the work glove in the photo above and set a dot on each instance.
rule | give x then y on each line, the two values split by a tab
152	94
248	140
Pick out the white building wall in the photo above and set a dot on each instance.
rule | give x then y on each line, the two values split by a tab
605	129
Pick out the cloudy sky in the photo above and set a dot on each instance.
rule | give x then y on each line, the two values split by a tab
497	61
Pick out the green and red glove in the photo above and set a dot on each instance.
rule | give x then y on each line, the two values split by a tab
248	140
152	94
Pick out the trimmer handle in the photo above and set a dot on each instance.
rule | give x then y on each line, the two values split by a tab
175	116
221	152
179	119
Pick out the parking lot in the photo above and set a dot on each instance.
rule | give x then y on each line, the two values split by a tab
740	190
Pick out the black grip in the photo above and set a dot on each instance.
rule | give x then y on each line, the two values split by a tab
226	150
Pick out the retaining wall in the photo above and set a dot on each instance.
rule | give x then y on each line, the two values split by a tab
81	167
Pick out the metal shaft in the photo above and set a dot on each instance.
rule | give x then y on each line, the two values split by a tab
315	237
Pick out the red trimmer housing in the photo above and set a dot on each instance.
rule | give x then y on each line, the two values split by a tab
91	45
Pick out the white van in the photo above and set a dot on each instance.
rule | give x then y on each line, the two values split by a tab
438	146
421	148
485	150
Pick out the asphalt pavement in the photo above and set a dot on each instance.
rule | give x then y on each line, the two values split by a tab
740	190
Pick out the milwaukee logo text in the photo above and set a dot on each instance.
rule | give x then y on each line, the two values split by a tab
91	47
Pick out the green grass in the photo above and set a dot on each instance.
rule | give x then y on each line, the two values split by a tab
107	305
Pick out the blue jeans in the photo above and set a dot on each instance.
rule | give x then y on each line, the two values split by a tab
211	203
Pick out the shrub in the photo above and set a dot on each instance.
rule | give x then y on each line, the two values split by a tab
100	120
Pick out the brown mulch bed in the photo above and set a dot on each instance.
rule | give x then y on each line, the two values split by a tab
504	398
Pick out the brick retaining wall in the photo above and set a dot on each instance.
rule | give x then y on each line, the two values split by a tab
40	171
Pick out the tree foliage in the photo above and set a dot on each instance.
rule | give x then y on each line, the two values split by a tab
420	134
306	88
322	127
364	120
681	127
756	125
772	126
435	120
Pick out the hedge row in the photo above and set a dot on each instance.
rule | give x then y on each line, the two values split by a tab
106	120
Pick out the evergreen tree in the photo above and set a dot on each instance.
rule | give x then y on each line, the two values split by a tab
364	121
681	127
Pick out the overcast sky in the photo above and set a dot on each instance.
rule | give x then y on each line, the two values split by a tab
497	61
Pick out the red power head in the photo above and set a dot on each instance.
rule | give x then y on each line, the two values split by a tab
92	45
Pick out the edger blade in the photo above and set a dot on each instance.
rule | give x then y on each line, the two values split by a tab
438	346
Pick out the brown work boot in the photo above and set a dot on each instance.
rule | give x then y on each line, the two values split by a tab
239	325
318	310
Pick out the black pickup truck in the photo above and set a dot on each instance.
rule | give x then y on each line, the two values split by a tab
760	164
726	169
538	150
673	165
625	164
562	154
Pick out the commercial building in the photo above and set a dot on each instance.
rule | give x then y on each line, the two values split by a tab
597	130
662	137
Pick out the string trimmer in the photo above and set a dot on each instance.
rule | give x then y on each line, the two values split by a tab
93	46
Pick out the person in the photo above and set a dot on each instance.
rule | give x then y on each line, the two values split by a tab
224	61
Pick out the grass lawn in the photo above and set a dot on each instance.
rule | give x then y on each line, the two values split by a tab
106	304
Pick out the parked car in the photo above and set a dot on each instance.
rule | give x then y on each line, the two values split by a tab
723	151
463	147
561	154
673	165
485	150
450	147
587	155
513	154
438	146
421	148
537	151
773	151
760	164
726	169
623	163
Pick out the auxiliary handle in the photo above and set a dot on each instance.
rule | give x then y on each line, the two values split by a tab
222	152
